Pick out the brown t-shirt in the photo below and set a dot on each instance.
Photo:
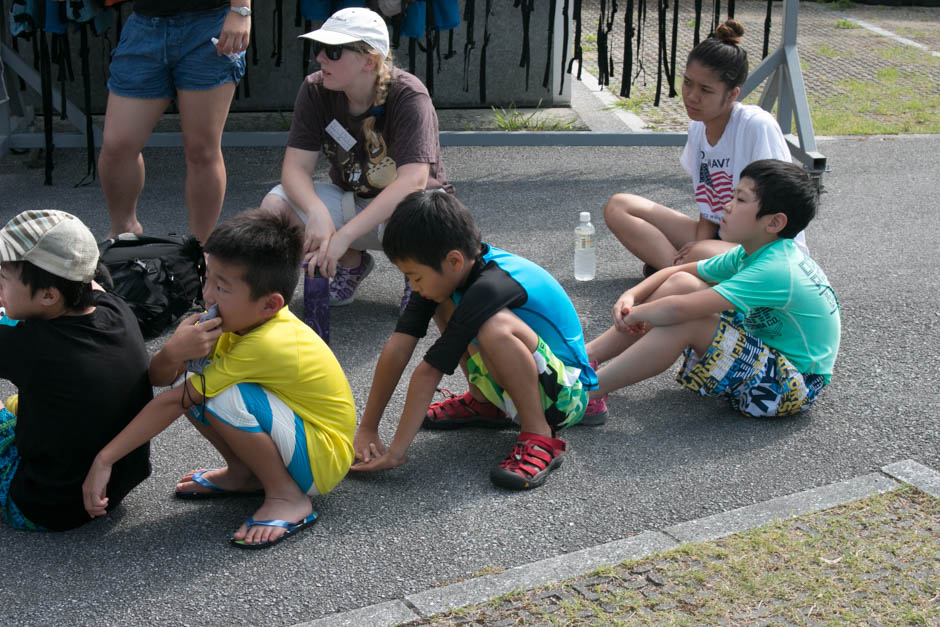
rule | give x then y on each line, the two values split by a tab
407	129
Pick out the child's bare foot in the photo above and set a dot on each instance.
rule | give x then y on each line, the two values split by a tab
217	482
293	510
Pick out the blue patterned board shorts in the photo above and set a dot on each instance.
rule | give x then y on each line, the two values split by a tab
756	379
9	462
564	398
250	407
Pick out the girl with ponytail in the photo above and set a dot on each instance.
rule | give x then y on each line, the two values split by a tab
724	137
378	129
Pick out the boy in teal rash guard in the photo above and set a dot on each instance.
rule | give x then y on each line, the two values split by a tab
504	319
758	325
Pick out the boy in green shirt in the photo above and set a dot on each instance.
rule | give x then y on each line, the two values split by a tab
758	325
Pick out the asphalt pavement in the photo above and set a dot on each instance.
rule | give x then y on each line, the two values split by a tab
664	457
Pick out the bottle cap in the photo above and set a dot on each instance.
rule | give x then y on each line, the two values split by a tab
585	216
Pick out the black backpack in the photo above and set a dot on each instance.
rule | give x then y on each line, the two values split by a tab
160	278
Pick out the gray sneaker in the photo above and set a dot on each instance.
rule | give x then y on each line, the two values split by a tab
346	280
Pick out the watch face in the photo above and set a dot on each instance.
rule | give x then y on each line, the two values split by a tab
244	11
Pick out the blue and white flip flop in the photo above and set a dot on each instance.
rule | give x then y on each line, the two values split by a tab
214	490
290	529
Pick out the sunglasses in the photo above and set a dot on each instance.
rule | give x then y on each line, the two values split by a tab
333	53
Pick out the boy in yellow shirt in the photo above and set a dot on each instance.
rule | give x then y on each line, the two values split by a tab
273	400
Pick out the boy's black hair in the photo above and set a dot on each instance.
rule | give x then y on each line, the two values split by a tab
426	226
268	246
76	296
721	53
785	188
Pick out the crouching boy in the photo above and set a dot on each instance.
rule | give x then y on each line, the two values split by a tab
273	400
505	319
78	360
759	325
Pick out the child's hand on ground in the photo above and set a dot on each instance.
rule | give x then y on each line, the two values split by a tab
95	487
367	444
383	462
191	340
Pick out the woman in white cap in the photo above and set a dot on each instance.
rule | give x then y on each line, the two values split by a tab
377	126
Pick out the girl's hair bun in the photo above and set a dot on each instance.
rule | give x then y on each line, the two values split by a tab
730	32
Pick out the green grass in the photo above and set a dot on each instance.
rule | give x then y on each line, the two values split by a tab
512	119
846	24
911	33
837	4
588	42
831	53
635	104
906	54
895	101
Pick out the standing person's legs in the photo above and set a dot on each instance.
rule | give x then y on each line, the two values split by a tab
140	88
205	84
652	232
202	118
128	123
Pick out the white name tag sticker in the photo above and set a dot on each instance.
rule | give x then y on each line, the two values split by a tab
341	135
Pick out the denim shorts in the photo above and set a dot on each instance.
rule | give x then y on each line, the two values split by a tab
757	380
159	55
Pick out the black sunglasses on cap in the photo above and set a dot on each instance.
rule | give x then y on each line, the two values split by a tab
333	53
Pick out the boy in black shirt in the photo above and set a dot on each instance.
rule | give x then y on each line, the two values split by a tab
78	359
503	318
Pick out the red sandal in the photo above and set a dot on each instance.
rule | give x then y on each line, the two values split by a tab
455	412
532	458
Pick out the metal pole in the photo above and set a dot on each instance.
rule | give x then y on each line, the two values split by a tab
785	88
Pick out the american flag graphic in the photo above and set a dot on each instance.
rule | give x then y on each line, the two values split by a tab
714	188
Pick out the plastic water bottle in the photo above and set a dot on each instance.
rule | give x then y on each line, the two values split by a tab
585	258
317	304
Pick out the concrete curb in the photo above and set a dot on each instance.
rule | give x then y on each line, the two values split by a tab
744	518
570	565
917	475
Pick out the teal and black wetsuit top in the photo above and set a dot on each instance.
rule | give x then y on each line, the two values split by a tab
500	280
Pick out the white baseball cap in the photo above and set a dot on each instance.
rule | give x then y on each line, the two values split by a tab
353	24
55	241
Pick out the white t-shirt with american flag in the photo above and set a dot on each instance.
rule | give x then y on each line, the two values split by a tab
751	134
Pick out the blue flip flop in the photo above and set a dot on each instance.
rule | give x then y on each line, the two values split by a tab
290	529
214	490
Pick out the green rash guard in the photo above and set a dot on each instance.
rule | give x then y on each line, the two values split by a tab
786	299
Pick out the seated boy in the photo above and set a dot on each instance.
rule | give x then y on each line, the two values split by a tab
764	335
504	318
273	401
78	360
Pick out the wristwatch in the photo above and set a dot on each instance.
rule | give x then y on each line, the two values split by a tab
243	11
